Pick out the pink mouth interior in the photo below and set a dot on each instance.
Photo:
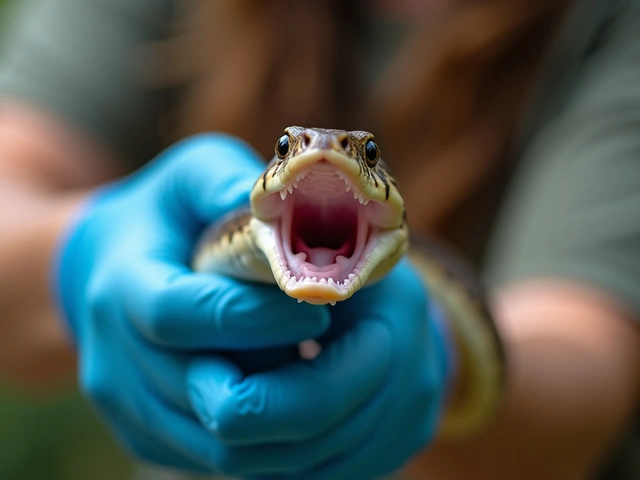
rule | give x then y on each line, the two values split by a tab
323	229
322	238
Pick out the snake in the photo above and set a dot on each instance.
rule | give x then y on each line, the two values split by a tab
326	219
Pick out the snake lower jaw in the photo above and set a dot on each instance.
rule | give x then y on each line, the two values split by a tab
377	256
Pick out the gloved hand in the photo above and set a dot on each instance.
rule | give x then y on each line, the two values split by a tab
139	315
363	407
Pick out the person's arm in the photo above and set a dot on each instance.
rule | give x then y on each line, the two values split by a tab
68	93
565	265
574	383
46	167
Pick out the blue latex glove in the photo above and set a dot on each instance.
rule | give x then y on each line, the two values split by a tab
140	316
359	410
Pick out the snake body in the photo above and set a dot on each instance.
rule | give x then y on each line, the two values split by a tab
326	218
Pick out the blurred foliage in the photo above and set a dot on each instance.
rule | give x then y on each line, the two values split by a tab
55	438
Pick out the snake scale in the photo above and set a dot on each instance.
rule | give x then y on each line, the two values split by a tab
326	218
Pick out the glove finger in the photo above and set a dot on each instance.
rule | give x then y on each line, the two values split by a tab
400	299
298	401
152	430
209	175
144	446
375	455
399	424
206	311
167	371
364	463
186	188
164	369
148	425
144	422
296	457
401	290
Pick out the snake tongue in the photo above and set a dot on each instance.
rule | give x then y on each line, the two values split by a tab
318	262
329	271
336	266
320	257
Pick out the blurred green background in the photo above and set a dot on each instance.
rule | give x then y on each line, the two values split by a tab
57	437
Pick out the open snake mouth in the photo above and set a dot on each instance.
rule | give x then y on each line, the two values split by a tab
324	231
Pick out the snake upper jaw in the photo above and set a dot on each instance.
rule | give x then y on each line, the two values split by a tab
364	184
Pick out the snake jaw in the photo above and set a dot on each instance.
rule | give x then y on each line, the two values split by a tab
325	231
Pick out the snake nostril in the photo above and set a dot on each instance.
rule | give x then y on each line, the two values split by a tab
306	139
344	142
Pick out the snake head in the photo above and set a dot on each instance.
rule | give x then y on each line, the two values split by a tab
327	214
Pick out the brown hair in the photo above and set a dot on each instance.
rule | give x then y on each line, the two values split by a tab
444	109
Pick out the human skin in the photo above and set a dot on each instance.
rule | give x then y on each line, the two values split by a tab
573	387
573	352
573	375
46	170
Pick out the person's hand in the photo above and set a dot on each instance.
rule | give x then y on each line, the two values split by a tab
137	312
359	410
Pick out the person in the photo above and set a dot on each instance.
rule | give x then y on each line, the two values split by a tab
540	97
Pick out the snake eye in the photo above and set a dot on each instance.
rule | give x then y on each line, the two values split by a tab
282	146
372	153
